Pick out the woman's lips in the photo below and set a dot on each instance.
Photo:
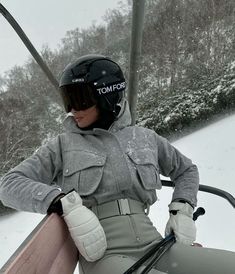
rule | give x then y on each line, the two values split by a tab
78	119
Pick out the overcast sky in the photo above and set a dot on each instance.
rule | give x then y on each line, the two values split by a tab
45	22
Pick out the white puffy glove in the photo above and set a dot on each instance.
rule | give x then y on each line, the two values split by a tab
181	223
84	227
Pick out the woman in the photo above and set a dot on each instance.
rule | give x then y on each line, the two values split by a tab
101	176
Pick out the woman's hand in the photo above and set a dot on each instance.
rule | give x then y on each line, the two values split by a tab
84	227
181	223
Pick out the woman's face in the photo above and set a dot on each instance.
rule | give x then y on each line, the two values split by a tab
85	118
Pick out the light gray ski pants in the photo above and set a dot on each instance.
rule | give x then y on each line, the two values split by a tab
129	237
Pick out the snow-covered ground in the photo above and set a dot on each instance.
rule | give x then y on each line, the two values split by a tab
213	150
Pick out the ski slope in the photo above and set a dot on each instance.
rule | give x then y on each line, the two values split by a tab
213	150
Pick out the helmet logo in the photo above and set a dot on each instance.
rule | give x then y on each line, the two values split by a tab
112	88
78	80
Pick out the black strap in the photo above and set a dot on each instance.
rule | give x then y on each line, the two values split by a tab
162	250
150	253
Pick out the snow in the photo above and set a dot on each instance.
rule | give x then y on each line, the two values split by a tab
14	228
213	150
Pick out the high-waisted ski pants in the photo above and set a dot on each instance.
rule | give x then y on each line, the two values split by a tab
129	237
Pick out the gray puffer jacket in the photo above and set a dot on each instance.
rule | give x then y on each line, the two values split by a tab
101	165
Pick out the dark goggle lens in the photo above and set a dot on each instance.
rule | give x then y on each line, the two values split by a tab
77	97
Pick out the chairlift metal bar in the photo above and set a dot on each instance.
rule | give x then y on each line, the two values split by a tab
29	45
138	9
209	189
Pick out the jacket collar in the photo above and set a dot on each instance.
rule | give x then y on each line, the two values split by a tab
123	120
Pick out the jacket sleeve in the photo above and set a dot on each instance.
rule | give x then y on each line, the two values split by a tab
31	185
180	169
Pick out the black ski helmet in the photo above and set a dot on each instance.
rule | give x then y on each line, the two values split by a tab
92	79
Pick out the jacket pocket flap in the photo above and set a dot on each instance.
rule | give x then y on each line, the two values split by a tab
146	167
142	157
86	160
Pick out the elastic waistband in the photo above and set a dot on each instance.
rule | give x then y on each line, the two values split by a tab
119	207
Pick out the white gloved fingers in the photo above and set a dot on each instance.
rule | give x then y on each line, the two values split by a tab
183	228
93	245
186	230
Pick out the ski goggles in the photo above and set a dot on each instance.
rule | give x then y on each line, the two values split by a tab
77	97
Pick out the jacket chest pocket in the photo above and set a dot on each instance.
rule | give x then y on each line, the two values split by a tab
83	171
146	167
